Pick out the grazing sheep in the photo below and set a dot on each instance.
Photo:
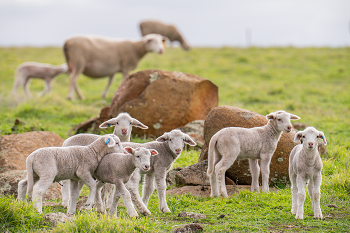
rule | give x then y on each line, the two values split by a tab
122	128
98	57
305	164
169	147
116	169
53	164
28	70
170	31
256	143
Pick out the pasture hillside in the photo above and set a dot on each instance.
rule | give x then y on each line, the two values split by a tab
313	83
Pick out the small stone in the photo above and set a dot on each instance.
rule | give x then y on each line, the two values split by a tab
332	205
191	215
193	227
221	216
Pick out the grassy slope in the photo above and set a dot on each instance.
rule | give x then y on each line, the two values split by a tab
312	83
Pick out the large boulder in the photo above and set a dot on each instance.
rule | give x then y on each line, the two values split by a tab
9	185
227	116
164	100
15	148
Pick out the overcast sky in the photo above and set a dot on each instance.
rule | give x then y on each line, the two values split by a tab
202	22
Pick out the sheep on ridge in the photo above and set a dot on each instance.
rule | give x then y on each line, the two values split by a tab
98	57
28	70
170	31
305	164
53	164
232	143
123	124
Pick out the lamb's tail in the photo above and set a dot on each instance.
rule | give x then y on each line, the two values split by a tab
30	175
211	155
18	81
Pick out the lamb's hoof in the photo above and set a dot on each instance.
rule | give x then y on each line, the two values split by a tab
299	216
293	211
146	213
318	216
166	210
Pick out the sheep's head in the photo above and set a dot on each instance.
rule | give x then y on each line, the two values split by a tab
155	43
176	140
123	124
309	138
113	143
142	157
281	120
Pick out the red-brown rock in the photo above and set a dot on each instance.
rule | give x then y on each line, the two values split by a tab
227	116
15	148
164	100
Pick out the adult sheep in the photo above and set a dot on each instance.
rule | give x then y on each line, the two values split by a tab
170	31
99	57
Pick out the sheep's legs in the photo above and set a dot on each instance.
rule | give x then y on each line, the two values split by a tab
65	193
294	187
301	197
110	79
148	188
221	168
255	172
265	171
22	190
161	187
73	82
38	191
316	196
133	186
47	88
121	190
74	195
26	87
213	179
108	194
99	205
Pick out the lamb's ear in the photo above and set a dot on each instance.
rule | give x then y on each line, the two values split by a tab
129	150
271	116
294	117
163	138
297	136
109	123
153	152
137	123
110	142
188	140
321	136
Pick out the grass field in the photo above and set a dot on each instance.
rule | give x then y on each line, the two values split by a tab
313	83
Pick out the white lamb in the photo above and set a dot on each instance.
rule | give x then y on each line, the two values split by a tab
305	164
256	143
53	164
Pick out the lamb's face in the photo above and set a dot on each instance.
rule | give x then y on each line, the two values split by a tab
176	140
155	43
281	119
142	157
113	144
310	138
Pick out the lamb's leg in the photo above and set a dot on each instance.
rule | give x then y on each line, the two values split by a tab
316	196
65	193
310	188
99	205
148	188
89	181
160	177
221	168
47	87
255	172
110	79
301	197
133	186
26	87
294	187
121	190
38	191
265	171
73	81
74	195
115	200
22	190
213	179
108	194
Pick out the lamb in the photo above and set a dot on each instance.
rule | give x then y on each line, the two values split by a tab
170	31
98	57
169	147
28	70
116	169
123	124
53	164
305	164
233	143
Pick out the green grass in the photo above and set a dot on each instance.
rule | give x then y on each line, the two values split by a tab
312	83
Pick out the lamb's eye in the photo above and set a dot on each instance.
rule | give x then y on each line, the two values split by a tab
138	157
303	136
170	139
117	123
318	136
130	123
279	119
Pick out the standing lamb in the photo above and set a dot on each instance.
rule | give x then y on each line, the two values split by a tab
28	70
123	124
53	164
116	169
305	164
98	57
169	147
256	143
170	31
